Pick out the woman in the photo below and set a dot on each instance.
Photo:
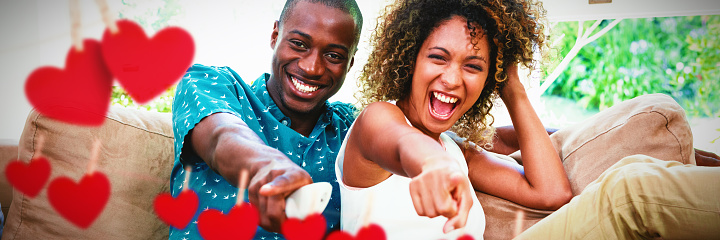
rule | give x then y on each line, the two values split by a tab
437	65
443	62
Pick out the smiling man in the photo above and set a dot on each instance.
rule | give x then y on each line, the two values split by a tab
281	128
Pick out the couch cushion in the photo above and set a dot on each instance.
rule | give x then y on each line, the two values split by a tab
8	152
653	125
136	156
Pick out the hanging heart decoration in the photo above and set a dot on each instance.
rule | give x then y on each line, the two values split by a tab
146	67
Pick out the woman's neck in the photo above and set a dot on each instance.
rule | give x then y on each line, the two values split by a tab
412	115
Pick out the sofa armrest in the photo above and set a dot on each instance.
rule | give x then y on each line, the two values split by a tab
8	152
137	157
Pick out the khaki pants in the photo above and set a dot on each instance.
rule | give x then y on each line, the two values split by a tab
653	125
640	197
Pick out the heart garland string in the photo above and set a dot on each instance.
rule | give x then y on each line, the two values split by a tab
519	217
81	203
464	236
80	93
146	67
369	232
29	178
177	211
313	227
240	223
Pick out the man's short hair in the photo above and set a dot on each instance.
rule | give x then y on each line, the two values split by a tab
348	6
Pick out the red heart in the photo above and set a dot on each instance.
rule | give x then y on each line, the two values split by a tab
240	223
80	203
176	212
79	94
313	227
369	232
28	178
147	67
466	237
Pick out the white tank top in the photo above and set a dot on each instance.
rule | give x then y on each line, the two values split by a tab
392	206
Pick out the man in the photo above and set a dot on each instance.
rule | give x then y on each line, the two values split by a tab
281	129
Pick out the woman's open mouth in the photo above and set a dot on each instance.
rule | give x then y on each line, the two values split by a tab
442	106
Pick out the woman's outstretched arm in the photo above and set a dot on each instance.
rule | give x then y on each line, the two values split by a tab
383	143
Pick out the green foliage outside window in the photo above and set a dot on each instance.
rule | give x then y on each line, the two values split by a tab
678	56
162	103
153	16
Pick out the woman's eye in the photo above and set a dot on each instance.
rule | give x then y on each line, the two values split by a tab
435	56
475	67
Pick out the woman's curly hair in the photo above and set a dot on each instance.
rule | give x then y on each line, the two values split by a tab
512	28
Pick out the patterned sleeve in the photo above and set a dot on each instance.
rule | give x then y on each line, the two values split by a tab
202	92
347	112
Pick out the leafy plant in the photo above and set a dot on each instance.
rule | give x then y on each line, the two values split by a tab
163	103
677	56
153	15
702	71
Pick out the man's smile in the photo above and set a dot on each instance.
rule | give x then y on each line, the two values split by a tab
303	86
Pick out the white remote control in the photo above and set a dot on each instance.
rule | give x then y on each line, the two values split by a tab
308	199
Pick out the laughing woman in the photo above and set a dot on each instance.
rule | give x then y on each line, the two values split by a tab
437	66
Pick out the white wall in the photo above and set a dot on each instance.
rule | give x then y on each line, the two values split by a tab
35	33
235	33
573	10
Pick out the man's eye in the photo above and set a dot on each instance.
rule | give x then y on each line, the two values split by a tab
334	56
298	44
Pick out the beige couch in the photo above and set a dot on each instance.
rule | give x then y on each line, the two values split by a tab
137	157
8	152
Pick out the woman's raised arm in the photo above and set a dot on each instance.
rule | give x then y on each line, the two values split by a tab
542	182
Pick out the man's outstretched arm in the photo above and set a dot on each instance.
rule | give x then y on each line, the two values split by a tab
228	146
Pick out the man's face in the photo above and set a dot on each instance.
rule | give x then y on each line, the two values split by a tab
313	50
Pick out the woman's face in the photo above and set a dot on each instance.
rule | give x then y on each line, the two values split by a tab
448	78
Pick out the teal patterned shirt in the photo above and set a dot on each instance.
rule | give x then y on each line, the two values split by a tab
205	90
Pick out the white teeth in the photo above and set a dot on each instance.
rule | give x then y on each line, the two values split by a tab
444	98
303	87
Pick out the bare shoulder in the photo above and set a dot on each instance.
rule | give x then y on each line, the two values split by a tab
380	113
363	143
381	108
